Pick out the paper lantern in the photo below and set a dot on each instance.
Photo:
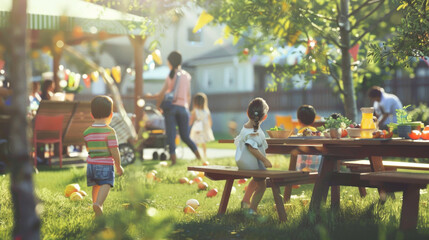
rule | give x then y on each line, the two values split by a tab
193	173
150	175
77	32
193	203
191	182
205	163
201	174
198	179
71	80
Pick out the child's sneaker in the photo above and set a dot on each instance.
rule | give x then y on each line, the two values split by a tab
97	209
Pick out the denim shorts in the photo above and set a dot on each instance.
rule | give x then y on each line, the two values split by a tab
100	174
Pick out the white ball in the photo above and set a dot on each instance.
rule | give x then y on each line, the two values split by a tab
193	203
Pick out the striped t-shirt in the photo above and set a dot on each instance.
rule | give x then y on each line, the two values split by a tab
99	138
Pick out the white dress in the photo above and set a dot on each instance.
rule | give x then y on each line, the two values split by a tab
201	131
244	159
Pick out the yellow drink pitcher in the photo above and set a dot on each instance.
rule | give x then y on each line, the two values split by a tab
367	122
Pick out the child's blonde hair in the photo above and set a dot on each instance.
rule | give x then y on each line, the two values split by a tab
200	101
256	111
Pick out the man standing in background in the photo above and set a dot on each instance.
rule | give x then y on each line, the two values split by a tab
385	105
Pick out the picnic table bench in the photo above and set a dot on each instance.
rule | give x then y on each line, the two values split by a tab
409	183
364	166
275	179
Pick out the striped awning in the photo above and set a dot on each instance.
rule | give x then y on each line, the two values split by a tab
66	14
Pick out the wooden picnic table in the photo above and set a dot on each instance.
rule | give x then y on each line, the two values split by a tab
335	150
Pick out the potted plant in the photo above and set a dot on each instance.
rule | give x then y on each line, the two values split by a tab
405	123
336	123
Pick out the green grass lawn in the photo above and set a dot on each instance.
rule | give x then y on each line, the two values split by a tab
142	208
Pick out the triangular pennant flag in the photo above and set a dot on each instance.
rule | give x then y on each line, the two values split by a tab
94	76
71	80
354	51
87	80
116	73
219	41
202	21
156	55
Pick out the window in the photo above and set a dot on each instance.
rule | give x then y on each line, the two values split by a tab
208	79
194	37
229	78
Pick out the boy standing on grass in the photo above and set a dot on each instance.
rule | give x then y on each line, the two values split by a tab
103	152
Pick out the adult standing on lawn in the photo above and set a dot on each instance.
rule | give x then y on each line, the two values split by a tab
177	113
385	105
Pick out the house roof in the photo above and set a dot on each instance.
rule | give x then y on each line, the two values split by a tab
220	52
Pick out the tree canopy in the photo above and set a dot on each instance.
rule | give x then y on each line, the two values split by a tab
329	32
411	38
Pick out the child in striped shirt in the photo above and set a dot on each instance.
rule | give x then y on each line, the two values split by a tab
103	152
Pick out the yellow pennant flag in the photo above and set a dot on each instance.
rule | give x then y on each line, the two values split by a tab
202	21
94	76
116	73
226	31
156	55
219	41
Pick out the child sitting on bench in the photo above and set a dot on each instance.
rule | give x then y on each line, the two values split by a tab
250	153
310	163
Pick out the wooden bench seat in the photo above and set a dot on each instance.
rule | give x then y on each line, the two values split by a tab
364	165
410	184
275	179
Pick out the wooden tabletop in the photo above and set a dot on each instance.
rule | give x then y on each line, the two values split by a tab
343	141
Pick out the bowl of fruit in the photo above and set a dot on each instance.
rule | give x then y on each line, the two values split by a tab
354	130
277	132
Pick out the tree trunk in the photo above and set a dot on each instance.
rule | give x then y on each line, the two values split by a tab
349	90
27	223
138	43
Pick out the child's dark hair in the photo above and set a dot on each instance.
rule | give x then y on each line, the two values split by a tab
306	114
101	107
256	111
200	100
175	60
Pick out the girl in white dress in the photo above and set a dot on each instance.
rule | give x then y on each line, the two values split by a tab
201	121
250	153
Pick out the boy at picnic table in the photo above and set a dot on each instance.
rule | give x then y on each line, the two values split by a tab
306	115
250	153
103	153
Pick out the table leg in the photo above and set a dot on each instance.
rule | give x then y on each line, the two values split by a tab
377	166
321	187
225	196
410	208
335	191
279	202
292	167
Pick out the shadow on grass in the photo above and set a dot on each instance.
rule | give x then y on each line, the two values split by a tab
329	224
